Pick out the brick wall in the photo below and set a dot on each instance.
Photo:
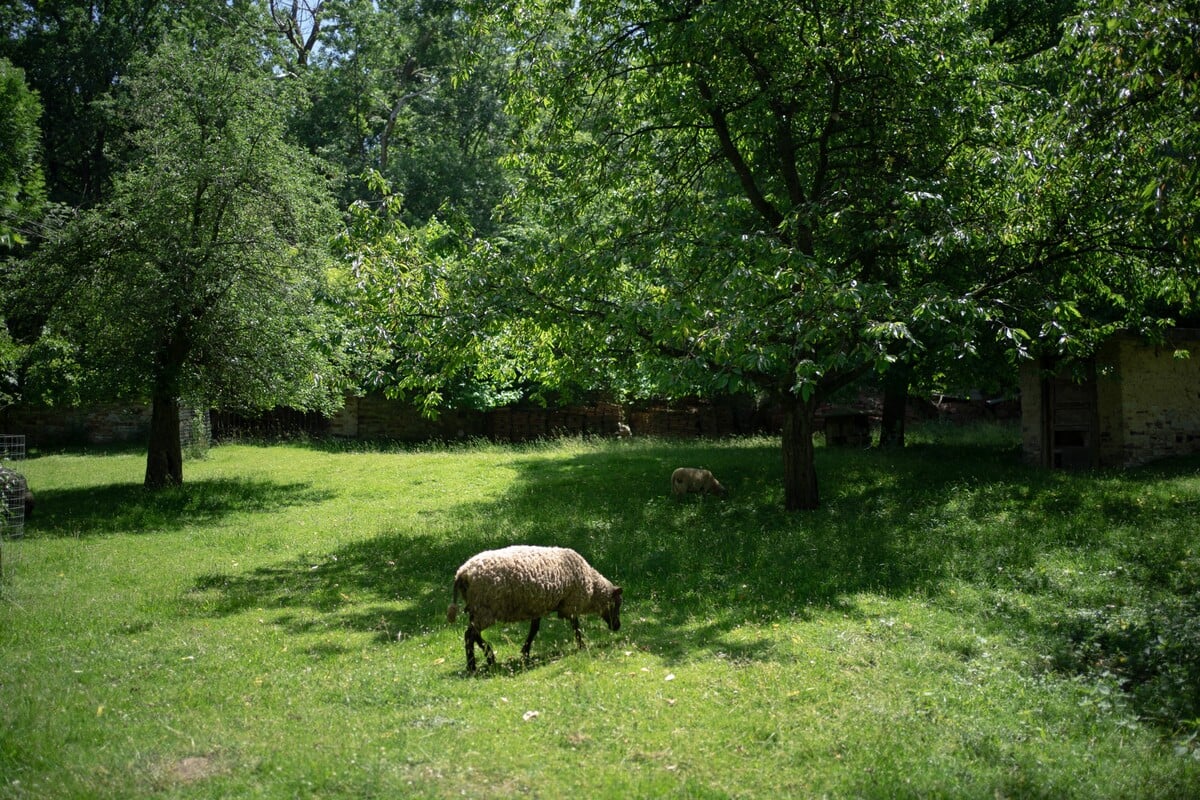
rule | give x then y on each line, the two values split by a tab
57	426
53	426
1149	399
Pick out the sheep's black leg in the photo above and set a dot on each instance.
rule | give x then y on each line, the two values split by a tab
473	637
487	648
578	632
533	629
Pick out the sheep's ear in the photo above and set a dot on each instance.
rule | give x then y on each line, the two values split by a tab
616	592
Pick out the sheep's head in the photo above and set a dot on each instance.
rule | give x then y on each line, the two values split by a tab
612	614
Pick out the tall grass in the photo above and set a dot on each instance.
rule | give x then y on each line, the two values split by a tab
950	623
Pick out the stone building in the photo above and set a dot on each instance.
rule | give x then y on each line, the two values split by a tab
1132	403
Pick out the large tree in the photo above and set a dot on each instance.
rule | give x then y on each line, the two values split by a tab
73	53
779	197
742	195
965	356
200	275
411	90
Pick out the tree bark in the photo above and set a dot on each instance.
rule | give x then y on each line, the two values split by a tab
799	467
895	403
164	455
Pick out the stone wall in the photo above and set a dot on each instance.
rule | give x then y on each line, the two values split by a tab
56	426
1148	399
106	424
378	418
375	417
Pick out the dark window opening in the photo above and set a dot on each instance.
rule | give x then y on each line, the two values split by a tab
1070	439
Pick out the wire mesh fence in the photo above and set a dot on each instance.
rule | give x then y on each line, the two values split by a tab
12	447
15	502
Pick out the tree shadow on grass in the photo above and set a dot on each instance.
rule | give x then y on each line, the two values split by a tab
701	572
694	570
118	508
893	523
405	575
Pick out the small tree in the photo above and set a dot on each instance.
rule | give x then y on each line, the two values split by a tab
200	277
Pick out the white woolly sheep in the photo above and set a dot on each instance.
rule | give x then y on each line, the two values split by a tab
523	582
691	479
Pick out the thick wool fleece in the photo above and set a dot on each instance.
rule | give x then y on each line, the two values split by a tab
524	582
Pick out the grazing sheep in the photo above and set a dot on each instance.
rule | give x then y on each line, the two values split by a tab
690	479
523	582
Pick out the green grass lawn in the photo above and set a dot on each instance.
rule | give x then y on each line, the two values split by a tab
951	623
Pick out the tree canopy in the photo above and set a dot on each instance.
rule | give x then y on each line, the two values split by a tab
778	198
642	198
21	187
747	193
411	91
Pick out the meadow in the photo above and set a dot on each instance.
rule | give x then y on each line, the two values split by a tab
951	623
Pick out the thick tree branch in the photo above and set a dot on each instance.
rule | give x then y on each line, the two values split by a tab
784	112
729	149
408	74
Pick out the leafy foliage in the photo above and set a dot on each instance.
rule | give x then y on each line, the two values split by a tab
1076	246
73	53
22	191
1138	96
409	90
21	188
744	196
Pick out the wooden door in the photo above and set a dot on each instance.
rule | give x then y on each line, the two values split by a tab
1071	431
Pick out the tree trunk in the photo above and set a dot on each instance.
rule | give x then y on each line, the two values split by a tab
799	468
164	456
895	403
